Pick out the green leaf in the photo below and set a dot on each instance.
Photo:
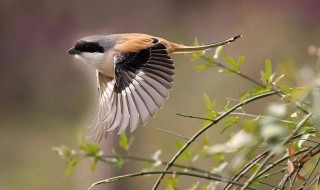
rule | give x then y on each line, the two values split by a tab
205	188
201	67
90	148
235	66
226	107
211	115
254	168
207	99
268	71
209	104
210	61
187	154
256	89
229	122
196	55
286	90
245	97
267	75
256	184
262	91
205	123
219	157
94	164
71	165
172	183
308	130
231	61
240	61
119	160
124	142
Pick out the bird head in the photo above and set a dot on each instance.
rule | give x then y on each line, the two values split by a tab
92	49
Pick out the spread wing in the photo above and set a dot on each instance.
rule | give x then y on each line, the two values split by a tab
141	85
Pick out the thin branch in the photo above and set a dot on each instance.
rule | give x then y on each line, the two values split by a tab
315	142
282	183
216	120
315	151
300	135
277	163
267	184
299	163
310	174
194	117
128	176
133	158
233	71
298	127
273	173
139	159
262	182
252	80
246	168
253	176
232	99
173	133
316	179
261	116
296	173
256	173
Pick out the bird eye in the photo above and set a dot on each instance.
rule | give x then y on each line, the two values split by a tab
90	47
154	40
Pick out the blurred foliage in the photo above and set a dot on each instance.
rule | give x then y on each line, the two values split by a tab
285	139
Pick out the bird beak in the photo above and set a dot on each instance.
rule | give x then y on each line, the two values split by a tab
73	51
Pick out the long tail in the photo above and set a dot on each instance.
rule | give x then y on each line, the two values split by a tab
189	49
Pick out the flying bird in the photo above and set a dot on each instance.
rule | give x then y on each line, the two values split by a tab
134	74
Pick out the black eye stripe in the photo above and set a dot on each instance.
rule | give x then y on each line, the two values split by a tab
90	47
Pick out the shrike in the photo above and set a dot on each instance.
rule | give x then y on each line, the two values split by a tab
134	76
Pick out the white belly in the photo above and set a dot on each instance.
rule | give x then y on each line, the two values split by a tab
101	62
106	68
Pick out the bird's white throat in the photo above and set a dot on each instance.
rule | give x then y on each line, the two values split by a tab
99	61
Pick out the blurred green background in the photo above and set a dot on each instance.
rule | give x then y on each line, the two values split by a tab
46	97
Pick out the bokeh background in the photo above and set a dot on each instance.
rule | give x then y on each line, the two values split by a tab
46	97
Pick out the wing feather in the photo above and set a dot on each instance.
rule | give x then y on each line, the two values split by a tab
155	96
151	106
134	114
141	84
118	115
160	88
125	113
143	111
